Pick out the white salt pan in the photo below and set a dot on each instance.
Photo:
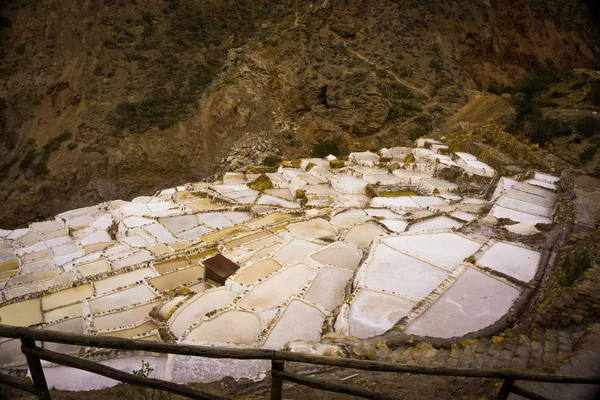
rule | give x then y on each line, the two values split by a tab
372	313
473	302
515	261
295	250
198	307
395	225
300	321
393	271
435	224
362	235
313	229
123	298
339	255
327	289
444	249
277	289
233	326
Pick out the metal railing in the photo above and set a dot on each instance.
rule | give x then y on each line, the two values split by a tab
39	387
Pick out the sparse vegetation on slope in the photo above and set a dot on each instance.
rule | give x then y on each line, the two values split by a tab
181	52
169	88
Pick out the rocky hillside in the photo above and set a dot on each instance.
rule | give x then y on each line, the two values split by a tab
104	99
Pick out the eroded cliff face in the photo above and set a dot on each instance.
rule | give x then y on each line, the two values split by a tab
113	99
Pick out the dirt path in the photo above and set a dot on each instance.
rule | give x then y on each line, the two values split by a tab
390	73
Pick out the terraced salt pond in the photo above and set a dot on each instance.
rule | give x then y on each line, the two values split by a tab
233	326
198	307
258	270
342	262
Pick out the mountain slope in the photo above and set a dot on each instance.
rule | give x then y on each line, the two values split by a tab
109	99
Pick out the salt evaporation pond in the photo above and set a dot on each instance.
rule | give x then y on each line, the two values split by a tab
474	301
198	307
233	326
258	270
341	262
435	224
372	312
300	321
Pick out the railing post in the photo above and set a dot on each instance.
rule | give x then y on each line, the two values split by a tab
505	389
276	382
35	367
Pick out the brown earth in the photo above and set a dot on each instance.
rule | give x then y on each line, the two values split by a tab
149	94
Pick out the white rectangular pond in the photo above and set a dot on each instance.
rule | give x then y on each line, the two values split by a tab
340	255
435	224
372	313
447	250
123	298
390	270
295	251
300	321
274	291
512	260
328	288
473	302
123	318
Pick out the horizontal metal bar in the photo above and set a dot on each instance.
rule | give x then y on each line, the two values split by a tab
119	375
331	387
19	383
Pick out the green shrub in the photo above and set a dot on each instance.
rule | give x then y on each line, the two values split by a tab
588	153
355	77
309	166
593	96
6	166
95	149
27	161
403	109
418	132
526	89
409	159
263	182
54	143
588	126
395	90
371	190
40	168
541	130
130	392
423	119
535	82
324	149
301	196
337	163
573	266
524	104
271	161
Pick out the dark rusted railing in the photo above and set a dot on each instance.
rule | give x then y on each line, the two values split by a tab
39	387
